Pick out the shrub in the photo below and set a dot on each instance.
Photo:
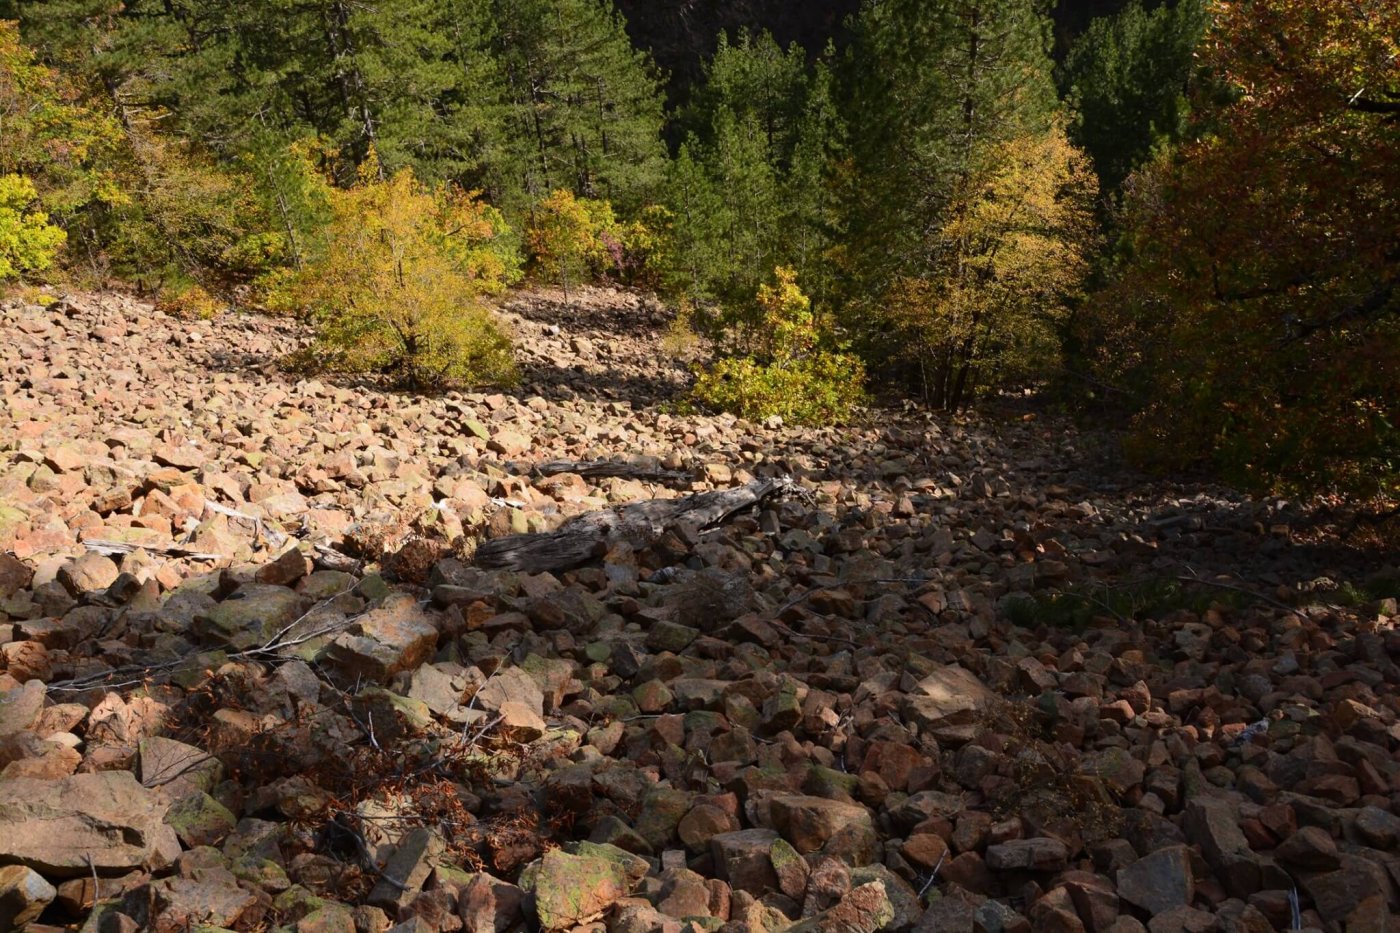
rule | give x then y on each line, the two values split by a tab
192	303
574	239
787	373
28	242
395	284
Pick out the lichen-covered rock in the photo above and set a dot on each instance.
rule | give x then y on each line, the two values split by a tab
570	890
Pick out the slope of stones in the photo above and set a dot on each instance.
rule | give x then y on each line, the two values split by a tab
860	709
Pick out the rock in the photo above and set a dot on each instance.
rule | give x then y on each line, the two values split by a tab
1042	853
393	638
251	615
1094	897
200	820
408	868
489	905
510	685
1379	828
815	824
176	769
1338	893
55	827
90	573
702	823
1311	849
1183	920
947	914
213	899
289	567
15	575
23	896
1213	824
683	893
996	917
570	890
903	898
1117	768
741	858
865	909
20	707
1158	882
945	694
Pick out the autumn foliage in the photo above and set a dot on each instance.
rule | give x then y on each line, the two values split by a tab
1012	249
787	372
1254	318
396	282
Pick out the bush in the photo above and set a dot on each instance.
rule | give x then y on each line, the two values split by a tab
395	284
787	373
28	242
574	239
192	303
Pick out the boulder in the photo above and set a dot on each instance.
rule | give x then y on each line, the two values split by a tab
104	822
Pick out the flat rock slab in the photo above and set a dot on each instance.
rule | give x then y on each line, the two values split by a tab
56	827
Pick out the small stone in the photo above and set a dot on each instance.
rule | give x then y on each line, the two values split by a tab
23	896
1158	882
1042	853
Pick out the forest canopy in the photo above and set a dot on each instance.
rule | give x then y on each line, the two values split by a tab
1183	214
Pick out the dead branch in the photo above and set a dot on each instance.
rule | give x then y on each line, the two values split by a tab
599	469
589	536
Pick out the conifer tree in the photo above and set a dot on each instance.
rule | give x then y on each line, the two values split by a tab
765	134
1126	79
583	108
942	93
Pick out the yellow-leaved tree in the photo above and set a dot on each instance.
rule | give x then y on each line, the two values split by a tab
787	372
396	283
28	241
1009	254
564	235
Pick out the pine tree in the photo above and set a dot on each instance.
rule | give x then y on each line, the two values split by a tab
939	89
765	134
1126	79
583	108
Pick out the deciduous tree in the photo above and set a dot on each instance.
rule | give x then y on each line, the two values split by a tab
1257	314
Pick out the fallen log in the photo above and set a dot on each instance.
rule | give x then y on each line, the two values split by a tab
111	548
644	469
590	536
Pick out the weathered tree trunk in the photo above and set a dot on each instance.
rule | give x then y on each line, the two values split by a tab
589	536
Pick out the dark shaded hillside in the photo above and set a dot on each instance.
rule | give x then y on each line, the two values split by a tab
681	34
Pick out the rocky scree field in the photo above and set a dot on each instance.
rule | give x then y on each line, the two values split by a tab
971	677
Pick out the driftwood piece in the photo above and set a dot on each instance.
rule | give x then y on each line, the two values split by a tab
174	550
644	468
589	536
